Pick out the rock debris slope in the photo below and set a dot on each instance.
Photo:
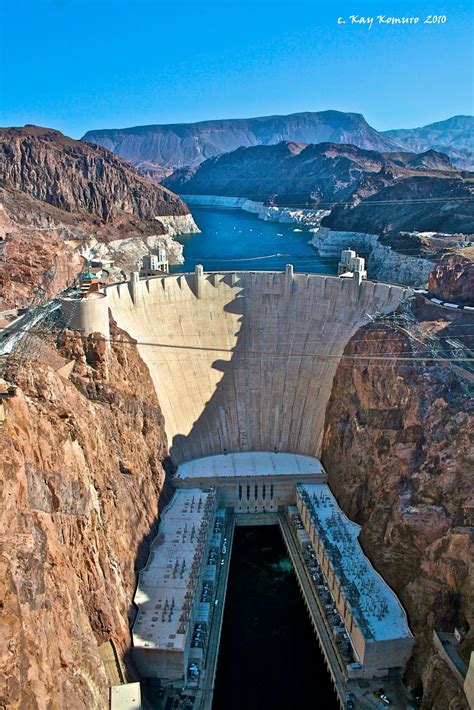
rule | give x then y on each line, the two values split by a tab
60	197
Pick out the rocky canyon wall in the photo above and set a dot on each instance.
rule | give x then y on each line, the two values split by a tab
82	476
383	263
398	450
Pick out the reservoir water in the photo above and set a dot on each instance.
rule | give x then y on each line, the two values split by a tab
233	240
269	657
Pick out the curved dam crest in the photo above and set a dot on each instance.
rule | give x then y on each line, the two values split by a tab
240	360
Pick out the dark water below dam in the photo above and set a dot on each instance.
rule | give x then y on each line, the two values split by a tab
269	656
233	240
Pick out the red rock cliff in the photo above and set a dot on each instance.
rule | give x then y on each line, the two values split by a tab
82	471
453	278
398	451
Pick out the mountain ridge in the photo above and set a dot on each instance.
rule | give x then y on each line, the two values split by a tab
77	177
59	196
366	191
454	135
159	149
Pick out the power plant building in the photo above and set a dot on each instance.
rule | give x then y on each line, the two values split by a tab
372	614
251	481
168	594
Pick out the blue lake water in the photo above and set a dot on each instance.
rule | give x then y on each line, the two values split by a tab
233	240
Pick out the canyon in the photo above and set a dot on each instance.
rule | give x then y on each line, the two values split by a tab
195	364
402	211
306	175
398	446
82	481
85	457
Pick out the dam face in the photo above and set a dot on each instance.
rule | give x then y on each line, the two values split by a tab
244	361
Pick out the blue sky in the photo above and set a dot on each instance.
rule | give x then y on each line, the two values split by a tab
76	65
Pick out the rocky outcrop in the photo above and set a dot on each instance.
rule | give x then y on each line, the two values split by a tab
453	279
454	136
424	203
398	450
388	265
178	224
158	150
61	198
31	257
38	241
82	481
301	175
330	242
77	177
128	253
384	263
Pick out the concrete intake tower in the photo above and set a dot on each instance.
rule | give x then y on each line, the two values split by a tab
241	361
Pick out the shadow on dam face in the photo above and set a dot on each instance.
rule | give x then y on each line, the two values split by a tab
245	361
269	657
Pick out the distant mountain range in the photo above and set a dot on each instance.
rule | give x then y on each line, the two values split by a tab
454	136
160	149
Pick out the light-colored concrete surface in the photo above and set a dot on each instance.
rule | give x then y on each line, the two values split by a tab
166	591
469	682
112	663
251	482
125	697
249	463
249	364
87	315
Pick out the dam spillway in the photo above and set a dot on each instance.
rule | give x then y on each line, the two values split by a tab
244	361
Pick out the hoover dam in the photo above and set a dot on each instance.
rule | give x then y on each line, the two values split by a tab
241	361
243	365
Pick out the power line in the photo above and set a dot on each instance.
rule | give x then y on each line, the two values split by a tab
273	353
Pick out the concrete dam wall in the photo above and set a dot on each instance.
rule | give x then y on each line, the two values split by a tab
244	361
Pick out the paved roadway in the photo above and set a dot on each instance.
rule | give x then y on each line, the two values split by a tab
205	697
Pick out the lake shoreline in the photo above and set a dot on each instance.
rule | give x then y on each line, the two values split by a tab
234	240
